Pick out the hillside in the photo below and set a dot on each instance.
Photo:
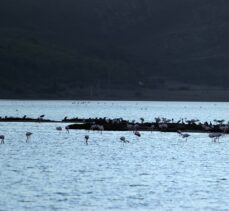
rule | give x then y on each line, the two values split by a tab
112	49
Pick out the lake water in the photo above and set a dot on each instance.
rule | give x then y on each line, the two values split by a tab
159	171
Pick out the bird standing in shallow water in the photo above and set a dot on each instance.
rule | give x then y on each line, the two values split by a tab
59	129
123	140
28	136
183	135
215	136
86	139
2	139
67	128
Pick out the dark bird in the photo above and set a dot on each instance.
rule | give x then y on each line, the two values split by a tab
123	140
142	120
59	128
215	136
2	138
86	139
183	135
67	128
28	136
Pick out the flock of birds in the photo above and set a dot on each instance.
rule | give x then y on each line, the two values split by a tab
28	136
163	123
214	136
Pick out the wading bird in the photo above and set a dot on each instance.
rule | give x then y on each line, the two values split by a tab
28	136
67	128
123	140
86	139
183	135
215	136
59	129
2	139
142	120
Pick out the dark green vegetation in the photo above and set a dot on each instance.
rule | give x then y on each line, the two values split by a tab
113	49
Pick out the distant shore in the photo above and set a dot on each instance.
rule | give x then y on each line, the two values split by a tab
214	95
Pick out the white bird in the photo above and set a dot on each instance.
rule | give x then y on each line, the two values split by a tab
28	136
2	139
86	139
215	136
123	140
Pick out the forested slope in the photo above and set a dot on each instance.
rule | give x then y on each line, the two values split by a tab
62	48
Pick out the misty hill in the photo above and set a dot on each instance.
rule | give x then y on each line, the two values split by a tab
72	48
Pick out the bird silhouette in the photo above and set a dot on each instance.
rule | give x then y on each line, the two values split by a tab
183	135
215	136
123	140
2	138
28	136
86	139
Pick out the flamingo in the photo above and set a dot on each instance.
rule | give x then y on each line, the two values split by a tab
2	139
142	120
59	129
86	139
183	135
28	136
215	136
123	140
67	128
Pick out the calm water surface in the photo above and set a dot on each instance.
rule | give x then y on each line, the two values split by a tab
159	171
